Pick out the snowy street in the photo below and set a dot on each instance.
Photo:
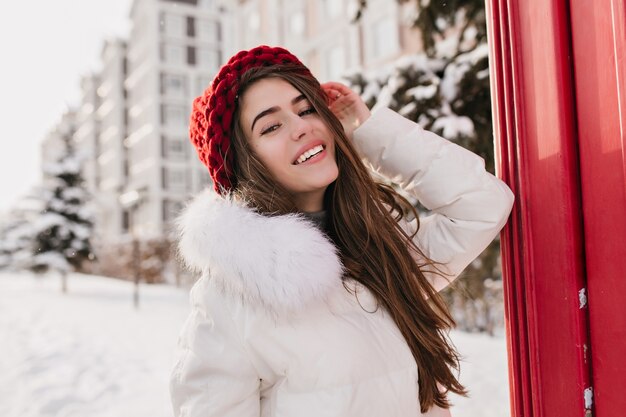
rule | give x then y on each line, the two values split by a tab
89	353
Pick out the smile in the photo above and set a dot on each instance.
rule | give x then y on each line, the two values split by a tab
306	155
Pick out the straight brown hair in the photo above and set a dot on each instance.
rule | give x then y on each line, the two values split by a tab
364	223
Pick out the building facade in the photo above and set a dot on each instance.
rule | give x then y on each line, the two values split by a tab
111	160
174	50
325	35
86	137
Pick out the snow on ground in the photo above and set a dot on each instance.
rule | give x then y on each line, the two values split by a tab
89	353
484	373
86	353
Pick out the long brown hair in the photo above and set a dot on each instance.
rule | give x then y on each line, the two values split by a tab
364	225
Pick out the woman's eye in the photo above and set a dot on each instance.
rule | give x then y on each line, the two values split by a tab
308	110
270	129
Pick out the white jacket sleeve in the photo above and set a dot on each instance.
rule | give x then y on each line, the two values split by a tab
469	206
212	375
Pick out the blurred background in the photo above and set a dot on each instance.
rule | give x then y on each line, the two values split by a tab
95	165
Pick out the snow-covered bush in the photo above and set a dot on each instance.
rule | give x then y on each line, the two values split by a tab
450	98
445	89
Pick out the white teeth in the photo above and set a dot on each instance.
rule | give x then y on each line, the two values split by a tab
307	154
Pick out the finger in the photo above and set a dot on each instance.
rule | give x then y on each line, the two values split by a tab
332	94
334	84
329	84
341	88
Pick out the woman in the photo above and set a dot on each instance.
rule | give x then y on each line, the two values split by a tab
318	294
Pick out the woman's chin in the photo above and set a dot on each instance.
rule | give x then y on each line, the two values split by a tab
326	180
314	182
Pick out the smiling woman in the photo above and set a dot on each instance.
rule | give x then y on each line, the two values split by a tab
319	288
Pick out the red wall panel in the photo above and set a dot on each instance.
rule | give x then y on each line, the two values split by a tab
542	246
599	57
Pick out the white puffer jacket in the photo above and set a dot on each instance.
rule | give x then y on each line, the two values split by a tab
274	333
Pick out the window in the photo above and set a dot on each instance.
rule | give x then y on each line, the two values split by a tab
173	115
190	2
252	28
173	179
204	180
191	27
171	209
385	37
126	168
172	25
335	62
173	149
209	59
172	54
202	83
125	221
191	55
333	8
173	85
297	23
209	30
254	21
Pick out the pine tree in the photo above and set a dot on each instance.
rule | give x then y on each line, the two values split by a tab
64	227
446	90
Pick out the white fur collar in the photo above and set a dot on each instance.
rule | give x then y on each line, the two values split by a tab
281	263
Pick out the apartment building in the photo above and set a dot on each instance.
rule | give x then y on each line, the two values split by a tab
324	36
88	130
111	161
176	47
173	52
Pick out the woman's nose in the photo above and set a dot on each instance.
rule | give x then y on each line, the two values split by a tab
299	128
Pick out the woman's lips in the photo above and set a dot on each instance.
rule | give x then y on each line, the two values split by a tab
314	159
307	147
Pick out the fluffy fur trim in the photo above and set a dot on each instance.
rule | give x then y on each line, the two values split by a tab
281	263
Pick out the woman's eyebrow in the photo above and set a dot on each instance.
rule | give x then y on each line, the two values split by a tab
274	109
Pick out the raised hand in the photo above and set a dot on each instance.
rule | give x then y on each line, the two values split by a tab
346	105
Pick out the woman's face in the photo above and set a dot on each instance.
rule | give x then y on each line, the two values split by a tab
290	139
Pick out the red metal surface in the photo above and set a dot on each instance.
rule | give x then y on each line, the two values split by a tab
599	56
502	93
542	246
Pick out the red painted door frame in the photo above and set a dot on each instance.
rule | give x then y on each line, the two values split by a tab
542	247
564	159
599	57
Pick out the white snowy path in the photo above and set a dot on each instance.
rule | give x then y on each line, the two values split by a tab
89	353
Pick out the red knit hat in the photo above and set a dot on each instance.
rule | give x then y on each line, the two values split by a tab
211	116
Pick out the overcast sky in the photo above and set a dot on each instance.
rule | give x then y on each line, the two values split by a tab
45	46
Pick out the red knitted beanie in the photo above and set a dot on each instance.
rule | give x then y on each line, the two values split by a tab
211	116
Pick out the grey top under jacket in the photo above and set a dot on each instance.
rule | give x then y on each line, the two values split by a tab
318	217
